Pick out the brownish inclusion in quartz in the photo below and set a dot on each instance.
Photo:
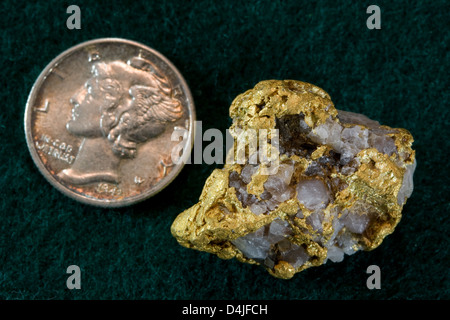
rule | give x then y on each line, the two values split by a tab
341	183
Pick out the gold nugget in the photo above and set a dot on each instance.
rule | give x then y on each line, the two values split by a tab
339	186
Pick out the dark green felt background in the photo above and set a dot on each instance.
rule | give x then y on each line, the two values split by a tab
397	75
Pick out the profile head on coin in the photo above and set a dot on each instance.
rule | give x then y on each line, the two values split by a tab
120	106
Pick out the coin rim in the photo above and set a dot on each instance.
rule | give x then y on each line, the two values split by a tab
106	203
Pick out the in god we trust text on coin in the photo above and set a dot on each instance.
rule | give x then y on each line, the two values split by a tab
99	120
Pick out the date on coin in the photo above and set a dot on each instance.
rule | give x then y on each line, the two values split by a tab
99	119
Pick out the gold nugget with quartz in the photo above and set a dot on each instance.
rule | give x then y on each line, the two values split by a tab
340	184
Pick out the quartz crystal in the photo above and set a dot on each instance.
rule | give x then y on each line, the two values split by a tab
340	187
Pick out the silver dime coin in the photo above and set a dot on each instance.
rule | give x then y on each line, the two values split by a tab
100	119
